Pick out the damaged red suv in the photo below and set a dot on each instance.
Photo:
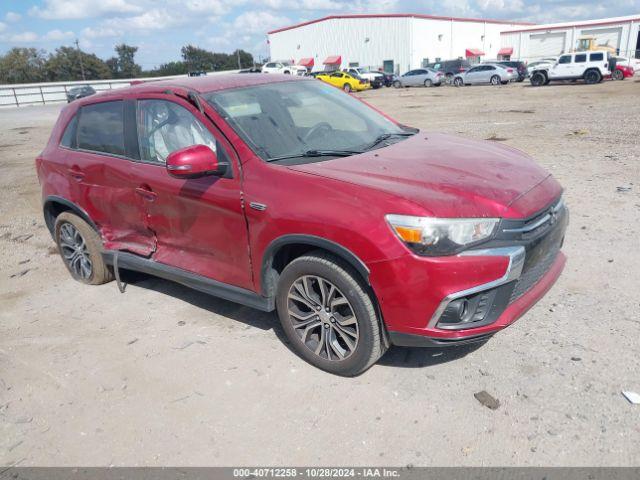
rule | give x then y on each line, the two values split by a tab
287	194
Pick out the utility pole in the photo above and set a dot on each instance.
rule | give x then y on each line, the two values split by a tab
80	57
239	65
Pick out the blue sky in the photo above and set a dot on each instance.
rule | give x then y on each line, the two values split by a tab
161	27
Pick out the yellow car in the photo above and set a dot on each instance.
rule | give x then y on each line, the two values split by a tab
344	81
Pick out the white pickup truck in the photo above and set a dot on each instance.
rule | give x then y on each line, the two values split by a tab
591	66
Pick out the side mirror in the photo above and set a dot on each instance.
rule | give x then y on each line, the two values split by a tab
194	162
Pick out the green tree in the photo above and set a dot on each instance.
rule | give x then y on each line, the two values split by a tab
246	59
64	65
166	69
22	65
125	64
198	58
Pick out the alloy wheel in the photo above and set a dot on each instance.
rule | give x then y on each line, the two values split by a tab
322	318
74	251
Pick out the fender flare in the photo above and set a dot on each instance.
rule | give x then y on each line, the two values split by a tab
49	218
313	241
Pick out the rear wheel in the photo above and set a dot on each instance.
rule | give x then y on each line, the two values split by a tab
592	76
458	82
81	250
428	83
538	79
495	80
328	316
346	87
617	75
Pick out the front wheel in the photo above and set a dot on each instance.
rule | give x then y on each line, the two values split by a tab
397	84
538	79
458	82
617	75
328	316
347	87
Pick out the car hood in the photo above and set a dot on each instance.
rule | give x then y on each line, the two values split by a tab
448	176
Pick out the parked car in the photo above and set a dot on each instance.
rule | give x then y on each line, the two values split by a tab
519	67
285	67
485	73
620	72
250	70
344	81
630	62
450	68
591	67
388	78
421	77
376	79
81	91
197	73
383	235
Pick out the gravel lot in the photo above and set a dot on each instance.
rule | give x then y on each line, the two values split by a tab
166	376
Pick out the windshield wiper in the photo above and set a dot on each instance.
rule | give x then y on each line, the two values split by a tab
316	153
385	136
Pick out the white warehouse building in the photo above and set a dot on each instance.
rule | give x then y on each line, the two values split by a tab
539	41
401	42
396	42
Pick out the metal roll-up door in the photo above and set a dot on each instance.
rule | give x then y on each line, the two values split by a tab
546	44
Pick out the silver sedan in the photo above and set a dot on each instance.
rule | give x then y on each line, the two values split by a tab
485	73
421	77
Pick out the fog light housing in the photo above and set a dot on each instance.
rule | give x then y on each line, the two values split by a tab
469	311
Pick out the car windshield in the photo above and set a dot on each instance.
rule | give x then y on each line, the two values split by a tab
290	122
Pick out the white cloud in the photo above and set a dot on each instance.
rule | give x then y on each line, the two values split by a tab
3	27
24	37
155	19
100	32
259	22
501	5
58	35
75	9
12	17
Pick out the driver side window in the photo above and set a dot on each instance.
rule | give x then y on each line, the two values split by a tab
164	127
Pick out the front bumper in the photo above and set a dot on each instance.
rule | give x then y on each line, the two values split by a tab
496	284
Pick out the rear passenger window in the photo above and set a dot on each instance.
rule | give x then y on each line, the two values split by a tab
101	128
596	57
581	58
69	137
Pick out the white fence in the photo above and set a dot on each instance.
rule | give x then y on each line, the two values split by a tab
19	95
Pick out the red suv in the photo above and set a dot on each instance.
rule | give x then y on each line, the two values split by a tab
287	194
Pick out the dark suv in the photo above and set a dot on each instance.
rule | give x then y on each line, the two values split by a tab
451	67
284	193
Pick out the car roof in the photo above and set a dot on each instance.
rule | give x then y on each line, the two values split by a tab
203	84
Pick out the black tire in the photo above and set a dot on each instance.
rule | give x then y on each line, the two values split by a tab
100	272
495	80
428	83
287	72
617	75
458	82
369	345
397	84
592	77
538	79
346	87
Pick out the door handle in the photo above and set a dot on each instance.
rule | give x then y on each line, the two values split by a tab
146	193
76	174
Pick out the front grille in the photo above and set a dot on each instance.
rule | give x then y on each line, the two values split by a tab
532	275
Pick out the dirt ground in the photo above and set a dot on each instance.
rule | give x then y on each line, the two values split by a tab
166	376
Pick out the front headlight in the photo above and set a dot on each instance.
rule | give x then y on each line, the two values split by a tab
440	236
